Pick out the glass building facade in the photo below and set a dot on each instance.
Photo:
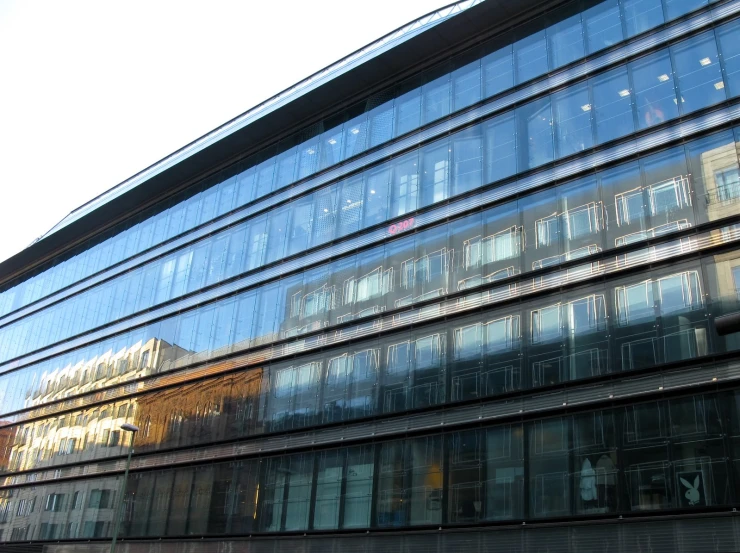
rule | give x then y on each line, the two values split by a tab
473	311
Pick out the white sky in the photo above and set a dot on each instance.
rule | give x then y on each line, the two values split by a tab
92	92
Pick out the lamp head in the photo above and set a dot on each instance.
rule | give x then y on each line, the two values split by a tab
129	427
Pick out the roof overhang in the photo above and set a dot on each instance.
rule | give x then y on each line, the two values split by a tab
371	68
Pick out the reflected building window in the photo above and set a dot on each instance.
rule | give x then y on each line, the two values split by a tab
728	184
496	247
375	283
660	198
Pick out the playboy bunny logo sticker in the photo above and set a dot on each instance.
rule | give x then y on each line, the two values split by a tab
692	493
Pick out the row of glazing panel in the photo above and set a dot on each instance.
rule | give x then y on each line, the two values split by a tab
635	322
681	453
614	104
566	36
663	193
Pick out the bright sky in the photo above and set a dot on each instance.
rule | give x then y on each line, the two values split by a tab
92	92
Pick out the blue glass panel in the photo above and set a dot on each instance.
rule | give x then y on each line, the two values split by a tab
612	106
565	41
498	71
603	24
729	42
572	111
655	96
534	121
642	15
530	56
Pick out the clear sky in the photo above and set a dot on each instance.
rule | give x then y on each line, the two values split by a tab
91	92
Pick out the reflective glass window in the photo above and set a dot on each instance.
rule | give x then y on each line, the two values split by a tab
603	25
654	94
572	111
501	147
612	105
466	85
534	125
698	73
498	71
677	8
436	97
408	111
729	42
641	15
467	160
380	116
565	41
530	56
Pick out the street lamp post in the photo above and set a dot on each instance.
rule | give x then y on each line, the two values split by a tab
119	502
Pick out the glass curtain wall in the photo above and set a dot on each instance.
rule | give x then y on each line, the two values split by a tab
668	454
558	125
634	322
666	192
546	44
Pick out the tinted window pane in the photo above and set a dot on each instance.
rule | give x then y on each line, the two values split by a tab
572	114
655	95
498	71
500	137
697	70
530	55
641	15
729	42
466	82
612	105
534	122
603	24
565	41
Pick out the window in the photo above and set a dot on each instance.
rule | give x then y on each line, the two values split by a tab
502	334
736	280
572	111
25	507
424	269
654	90
669	196
399	356
295	379
583	220
663	198
428	351
55	502
698	73
100	499
371	285
318	301
634	302
565	41
546	323
587	314
679	292
727	182
496	247
547	230
356	367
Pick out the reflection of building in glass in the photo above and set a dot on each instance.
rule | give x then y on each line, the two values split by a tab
442	306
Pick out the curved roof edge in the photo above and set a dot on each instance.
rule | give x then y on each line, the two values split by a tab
330	72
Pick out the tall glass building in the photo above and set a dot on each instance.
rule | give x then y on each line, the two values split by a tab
454	293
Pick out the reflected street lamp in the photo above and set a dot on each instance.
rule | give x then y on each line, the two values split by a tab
133	429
